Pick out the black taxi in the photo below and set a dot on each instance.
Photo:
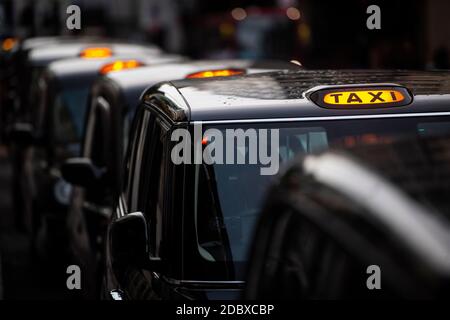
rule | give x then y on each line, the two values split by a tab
55	131
26	65
35	54
30	61
203	152
113	101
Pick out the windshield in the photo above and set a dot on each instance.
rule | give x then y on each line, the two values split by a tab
69	113
229	197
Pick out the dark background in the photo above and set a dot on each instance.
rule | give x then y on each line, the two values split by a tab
329	34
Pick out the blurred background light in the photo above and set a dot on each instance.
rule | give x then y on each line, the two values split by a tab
293	13
238	14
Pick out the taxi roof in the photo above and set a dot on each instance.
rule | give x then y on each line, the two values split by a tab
257	96
77	67
77	72
43	55
32	43
133	82
180	69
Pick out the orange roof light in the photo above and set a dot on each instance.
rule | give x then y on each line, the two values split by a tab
8	44
215	73
96	53
120	65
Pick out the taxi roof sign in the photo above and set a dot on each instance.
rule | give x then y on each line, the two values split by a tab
96	53
361	96
215	73
120	65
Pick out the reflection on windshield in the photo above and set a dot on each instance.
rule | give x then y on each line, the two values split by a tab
243	188
229	197
70	108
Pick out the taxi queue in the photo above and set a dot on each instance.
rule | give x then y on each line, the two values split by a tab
364	178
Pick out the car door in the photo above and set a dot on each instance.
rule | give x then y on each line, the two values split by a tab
97	147
88	215
145	192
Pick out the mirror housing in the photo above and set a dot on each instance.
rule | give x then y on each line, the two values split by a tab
21	133
129	244
81	172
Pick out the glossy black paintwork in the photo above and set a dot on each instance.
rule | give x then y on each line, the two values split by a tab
131	81
262	96
283	94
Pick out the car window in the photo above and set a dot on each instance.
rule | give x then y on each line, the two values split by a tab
97	138
243	188
89	132
39	93
429	129
138	152
227	198
101	142
146	159
152	185
127	125
130	156
69	112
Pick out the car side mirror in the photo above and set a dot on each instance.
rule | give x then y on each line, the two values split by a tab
81	172
21	133
129	244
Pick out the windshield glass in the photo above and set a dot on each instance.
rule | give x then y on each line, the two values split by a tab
229	197
69	111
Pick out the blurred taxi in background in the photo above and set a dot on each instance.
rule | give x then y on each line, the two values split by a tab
55	123
97	174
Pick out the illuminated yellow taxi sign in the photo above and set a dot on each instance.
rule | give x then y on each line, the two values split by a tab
215	73
120	65
96	53
361	97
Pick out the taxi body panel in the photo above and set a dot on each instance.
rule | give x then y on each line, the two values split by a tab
256	96
260	100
